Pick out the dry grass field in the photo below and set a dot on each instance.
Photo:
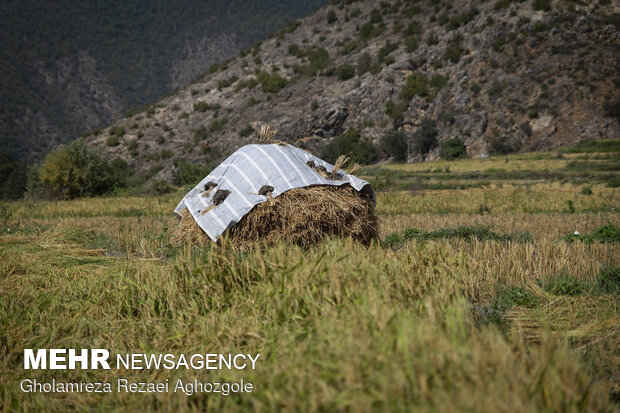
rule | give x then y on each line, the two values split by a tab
478	296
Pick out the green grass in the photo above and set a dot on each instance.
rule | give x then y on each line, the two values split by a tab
592	146
480	233
469	301
605	234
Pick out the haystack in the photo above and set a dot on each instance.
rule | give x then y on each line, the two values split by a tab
301	216
264	194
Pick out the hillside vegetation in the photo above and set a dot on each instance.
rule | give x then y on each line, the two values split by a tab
406	80
483	291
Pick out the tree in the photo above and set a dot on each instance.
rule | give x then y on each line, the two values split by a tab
73	171
396	145
425	138
351	144
452	149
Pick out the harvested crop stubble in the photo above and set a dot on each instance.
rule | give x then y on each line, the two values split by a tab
301	216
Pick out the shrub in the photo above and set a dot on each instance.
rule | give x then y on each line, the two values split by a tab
613	109
544	5
160	187
416	85
413	28
200	134
363	63
511	296
453	52
396	145
438	82
411	44
603	234
318	59
425	138
112	141
200	106
565	284
331	17
501	146
221	84
314	105
452	149
117	131
495	89
395	110
218	124
385	51
369	30
187	173
608	280
350	143
271	82
345	72
295	50
247	131
462	19
73	171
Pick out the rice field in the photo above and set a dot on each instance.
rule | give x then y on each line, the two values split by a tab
494	285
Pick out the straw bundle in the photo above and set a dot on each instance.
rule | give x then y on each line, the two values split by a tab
301	216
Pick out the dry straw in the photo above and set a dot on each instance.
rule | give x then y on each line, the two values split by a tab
301	216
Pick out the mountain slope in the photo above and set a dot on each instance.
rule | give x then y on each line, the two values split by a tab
67	66
500	76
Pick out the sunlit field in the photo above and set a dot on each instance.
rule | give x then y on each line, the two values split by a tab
494	286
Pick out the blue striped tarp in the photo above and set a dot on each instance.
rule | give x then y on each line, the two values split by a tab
245	172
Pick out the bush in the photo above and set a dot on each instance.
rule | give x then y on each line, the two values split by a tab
218	124
501	146
117	131
112	141
363	63
318	59
462	19
369	30
345	72
411	44
453	52
351	144
416	85
271	82
565	284
452	149
187	173
395	110
73	171
425	138
396	145
544	5
331	17
160	187
247	131
200	134
201	106
385	51
608	280
613	109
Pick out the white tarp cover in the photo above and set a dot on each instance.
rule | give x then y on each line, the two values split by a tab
245	172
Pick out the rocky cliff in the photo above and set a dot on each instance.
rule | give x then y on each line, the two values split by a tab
500	76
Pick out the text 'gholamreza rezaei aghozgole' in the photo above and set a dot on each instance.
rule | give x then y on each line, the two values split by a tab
93	359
